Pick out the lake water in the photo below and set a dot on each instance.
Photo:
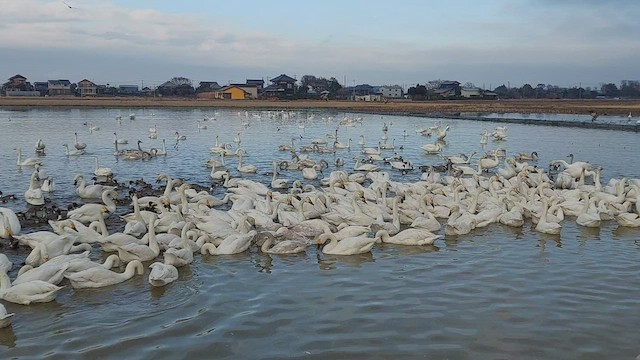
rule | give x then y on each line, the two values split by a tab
495	293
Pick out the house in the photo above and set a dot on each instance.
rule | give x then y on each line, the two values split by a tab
471	92
251	89
42	87
447	89
281	87
128	89
148	91
391	92
18	86
369	97
87	88
259	83
59	87
208	86
232	92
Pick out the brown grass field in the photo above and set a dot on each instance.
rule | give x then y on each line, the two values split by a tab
449	107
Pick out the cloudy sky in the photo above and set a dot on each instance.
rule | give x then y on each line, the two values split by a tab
566	43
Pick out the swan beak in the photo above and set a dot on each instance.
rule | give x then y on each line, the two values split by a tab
73	226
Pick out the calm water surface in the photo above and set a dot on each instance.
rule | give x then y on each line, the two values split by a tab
495	293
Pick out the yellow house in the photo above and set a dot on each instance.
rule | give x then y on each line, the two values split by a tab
232	93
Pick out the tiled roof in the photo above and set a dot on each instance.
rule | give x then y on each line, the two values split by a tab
60	82
283	78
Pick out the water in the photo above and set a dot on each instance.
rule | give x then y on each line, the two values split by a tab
495	293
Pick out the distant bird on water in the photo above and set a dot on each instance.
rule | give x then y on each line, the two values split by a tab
69	6
594	116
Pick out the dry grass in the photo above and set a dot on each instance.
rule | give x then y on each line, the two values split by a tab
611	107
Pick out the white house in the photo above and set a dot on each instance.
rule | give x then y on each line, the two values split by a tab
391	92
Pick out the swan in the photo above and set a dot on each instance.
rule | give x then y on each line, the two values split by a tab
93	128
154	129
527	157
102	171
27	161
81	264
119	141
159	152
34	195
5	264
162	274
232	244
250	169
36	291
338	145
40	147
97	277
48	185
216	175
202	126
574	169
51	273
79	145
278	183
283	247
545	226
76	152
5	318
589	216
9	223
89	191
484	137
346	246
408	237
237	139
462	159
61	245
364	167
180	137
138	225
372	151
91	212
432	148
135	251
441	134
183	256
460	222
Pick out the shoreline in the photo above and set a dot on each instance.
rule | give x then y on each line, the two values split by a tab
398	107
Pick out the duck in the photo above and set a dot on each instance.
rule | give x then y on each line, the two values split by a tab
162	274
97	277
36	291
102	171
232	244
34	195
408	237
5	318
346	246
27	161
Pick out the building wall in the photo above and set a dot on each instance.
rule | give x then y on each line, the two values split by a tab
391	92
234	94
22	93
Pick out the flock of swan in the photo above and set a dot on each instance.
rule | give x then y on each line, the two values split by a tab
348	214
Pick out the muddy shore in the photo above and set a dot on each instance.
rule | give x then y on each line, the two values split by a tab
531	106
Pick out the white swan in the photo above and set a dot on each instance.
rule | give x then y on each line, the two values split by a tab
9	223
346	246
36	291
89	191
97	277
119	141
232	244
162	274
27	161
68	152
51	273
40	146
250	169
364	167
48	185
283	247
102	171
5	264
432	148
34	195
338	145
184	255
180	137
202	126
135	251
5	318
91	212
545	226
78	145
278	183
408	237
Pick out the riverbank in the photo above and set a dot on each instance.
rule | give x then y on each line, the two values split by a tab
530	106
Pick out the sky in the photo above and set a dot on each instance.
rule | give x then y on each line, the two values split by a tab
488	43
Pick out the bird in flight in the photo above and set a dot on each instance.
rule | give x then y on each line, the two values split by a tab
69	6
